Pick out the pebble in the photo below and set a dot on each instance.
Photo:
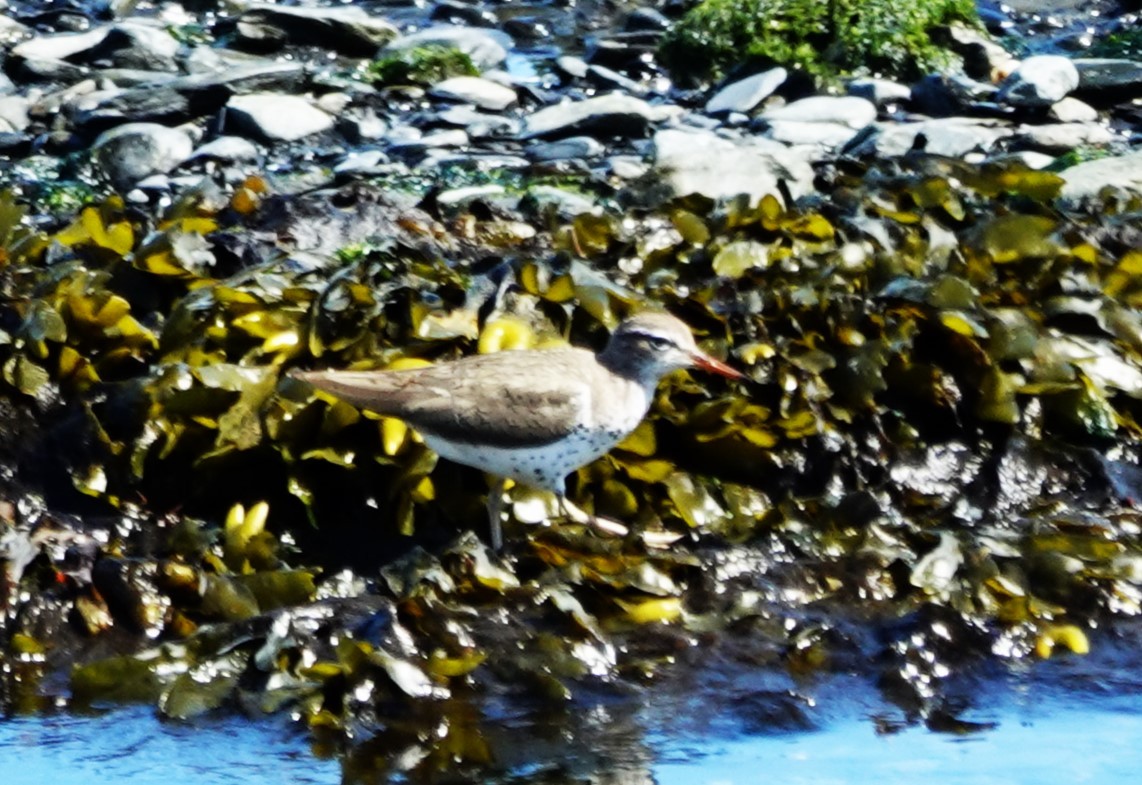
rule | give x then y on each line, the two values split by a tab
14	113
1072	110
548	101
1085	180
451	137
1041	80
229	149
743	95
844	110
1062	137
362	125
825	135
951	137
1109	79
701	162
880	92
349	30
570	147
277	118
475	90
942	95
134	151
614	114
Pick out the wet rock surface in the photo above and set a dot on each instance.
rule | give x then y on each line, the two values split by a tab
932	283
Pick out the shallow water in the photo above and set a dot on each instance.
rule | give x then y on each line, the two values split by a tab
131	745
1076	720
1058	740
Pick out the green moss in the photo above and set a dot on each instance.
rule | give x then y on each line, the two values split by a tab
421	65
822	38
1077	156
1125	44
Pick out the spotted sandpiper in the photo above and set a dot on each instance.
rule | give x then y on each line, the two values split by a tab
533	416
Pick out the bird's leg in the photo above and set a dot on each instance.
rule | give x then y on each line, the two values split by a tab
495	508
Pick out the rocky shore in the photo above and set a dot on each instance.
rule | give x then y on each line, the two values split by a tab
933	284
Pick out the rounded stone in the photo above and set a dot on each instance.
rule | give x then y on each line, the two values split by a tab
278	118
1039	81
131	152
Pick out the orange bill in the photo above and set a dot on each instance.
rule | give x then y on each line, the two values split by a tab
708	363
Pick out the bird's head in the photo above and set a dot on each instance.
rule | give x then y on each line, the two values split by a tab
649	345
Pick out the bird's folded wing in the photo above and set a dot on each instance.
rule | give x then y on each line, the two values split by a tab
491	399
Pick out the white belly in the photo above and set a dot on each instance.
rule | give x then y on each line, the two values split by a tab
545	467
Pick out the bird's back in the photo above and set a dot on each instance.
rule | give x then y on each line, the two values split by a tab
506	399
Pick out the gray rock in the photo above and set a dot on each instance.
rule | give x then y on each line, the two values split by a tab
438	157
136	77
62	100
1063	137
246	77
1109	76
744	95
646	19
56	71
186	98
362	126
575	67
274	118
844	110
1085	180
983	57
460	13
152	105
1028	158
582	147
448	137
567	204
349	30
825	136
480	124
11	30
1039	81
361	162
627	167
614	114
229	149
60	46
14	113
127	44
141	46
1072	110
880	91
458	198
399	134
953	137
610	79
7	86
487	48
132	152
701	162
483	93
948	95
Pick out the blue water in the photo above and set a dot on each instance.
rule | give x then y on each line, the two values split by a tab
1071	722
131	746
1042	743
1051	744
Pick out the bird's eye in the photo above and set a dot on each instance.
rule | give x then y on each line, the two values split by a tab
658	343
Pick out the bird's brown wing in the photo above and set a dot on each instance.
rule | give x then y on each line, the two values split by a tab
504	399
